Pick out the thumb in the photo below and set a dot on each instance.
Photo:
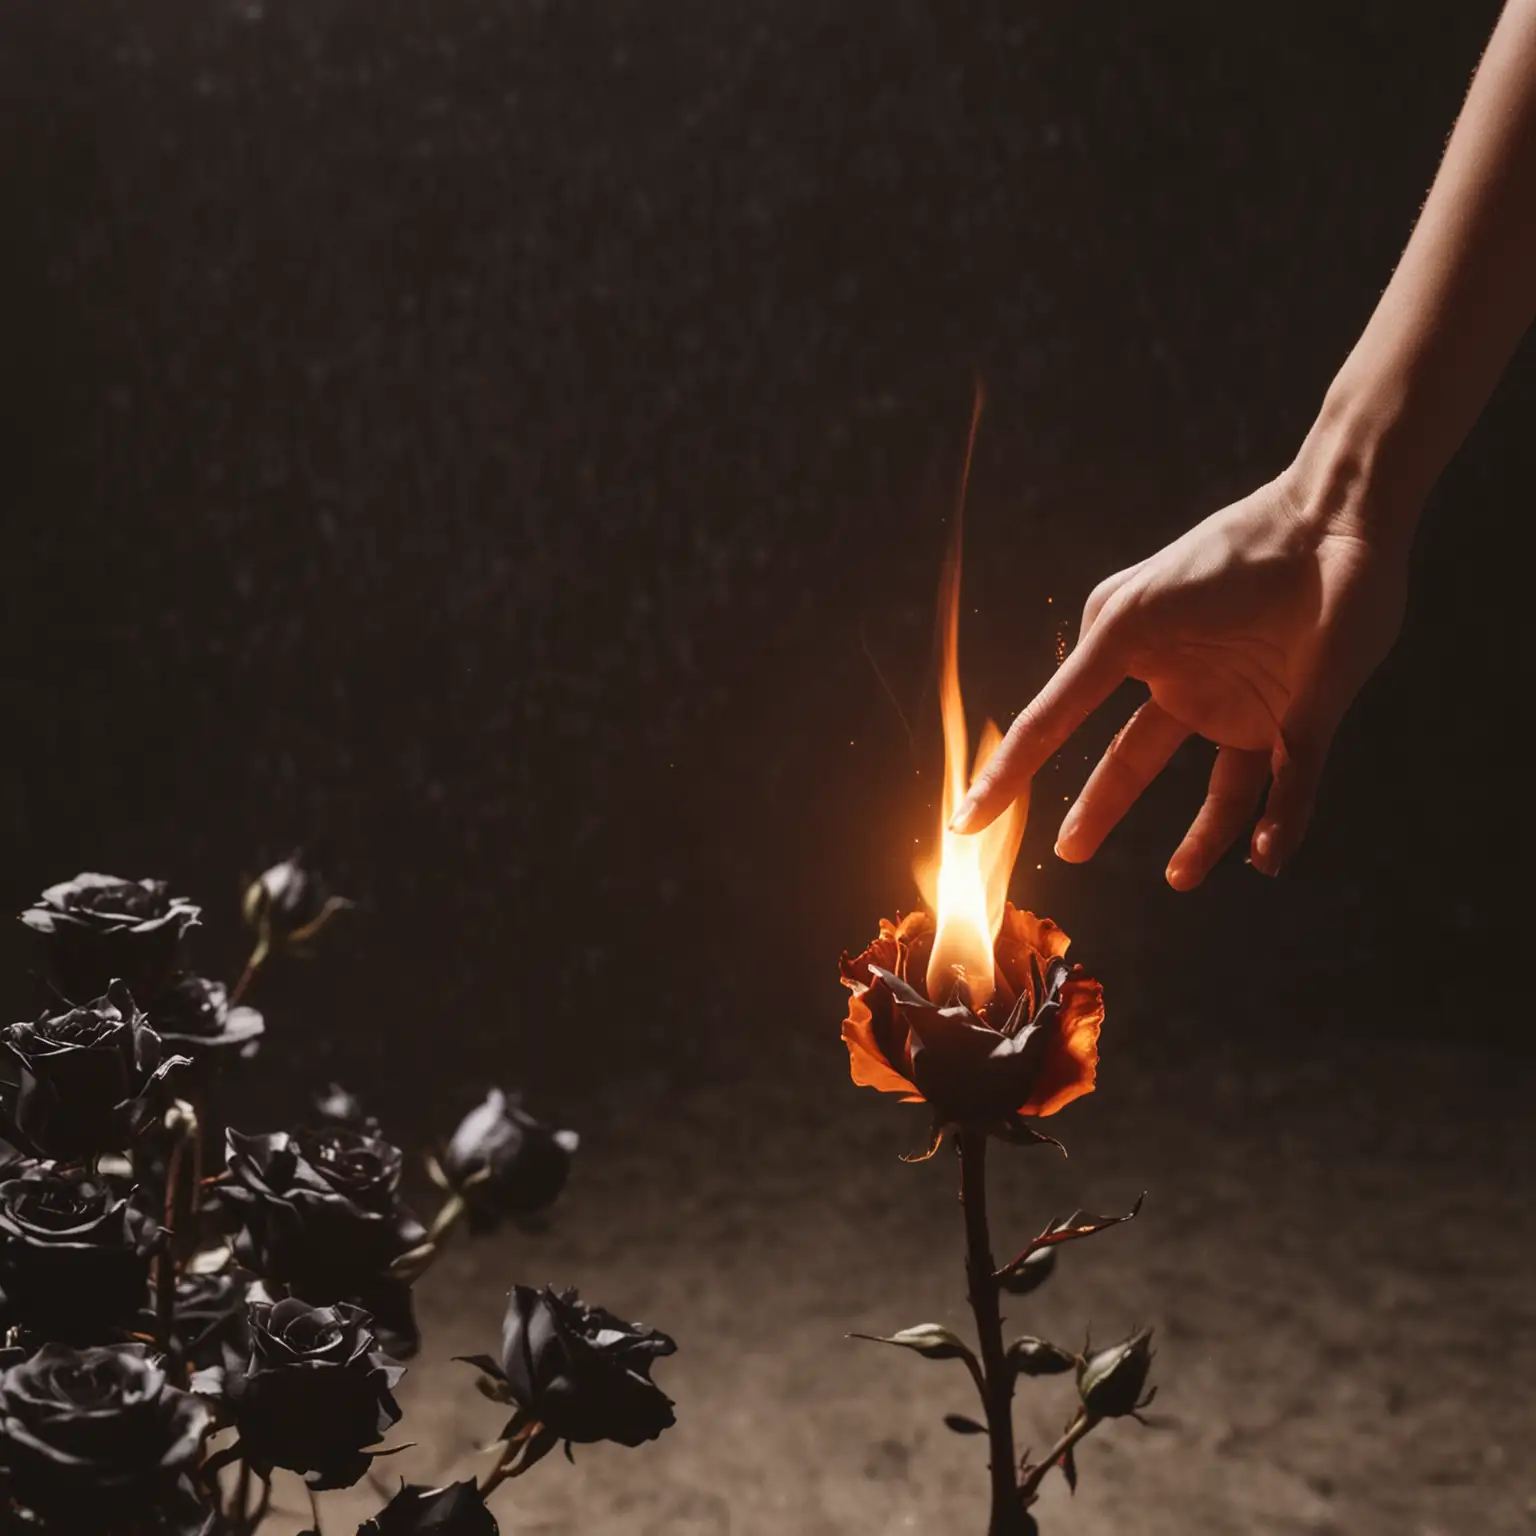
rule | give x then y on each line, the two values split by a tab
1296	763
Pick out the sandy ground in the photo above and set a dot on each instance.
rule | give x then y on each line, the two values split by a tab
1345	1321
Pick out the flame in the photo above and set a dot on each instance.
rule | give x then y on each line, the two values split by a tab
966	882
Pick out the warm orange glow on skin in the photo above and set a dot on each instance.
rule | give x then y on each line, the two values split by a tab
966	883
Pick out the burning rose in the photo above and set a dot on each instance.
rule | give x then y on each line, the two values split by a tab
1028	1048
90	1078
97	929
97	1439
74	1257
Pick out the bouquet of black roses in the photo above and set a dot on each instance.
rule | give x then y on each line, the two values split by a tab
189	1312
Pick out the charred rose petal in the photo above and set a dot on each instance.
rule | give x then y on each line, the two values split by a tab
1029	1049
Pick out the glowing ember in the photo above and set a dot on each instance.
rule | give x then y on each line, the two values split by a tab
966	883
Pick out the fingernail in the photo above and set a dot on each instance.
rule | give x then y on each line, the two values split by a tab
1265	850
1175	874
962	819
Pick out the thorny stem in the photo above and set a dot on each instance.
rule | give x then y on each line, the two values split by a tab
1082	1425
165	1265
997	1376
449	1215
242	1501
259	953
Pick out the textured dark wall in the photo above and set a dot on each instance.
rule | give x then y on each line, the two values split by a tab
488	440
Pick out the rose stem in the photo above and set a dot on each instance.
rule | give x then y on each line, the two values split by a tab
314	1511
1082	1425
1007	1508
242	1502
165	1265
259	952
449	1215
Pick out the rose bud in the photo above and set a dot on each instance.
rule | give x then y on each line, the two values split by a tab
74	1257
289	904
581	1372
314	1393
1110	1382
193	1016
457	1510
336	1106
503	1162
96	929
320	1212
1029	1049
90	1078
97	1439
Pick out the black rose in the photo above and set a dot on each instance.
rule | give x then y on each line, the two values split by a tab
320	1210
581	1372
503	1162
193	1016
90	1078
289	904
314	1393
97	1438
97	929
457	1510
74	1257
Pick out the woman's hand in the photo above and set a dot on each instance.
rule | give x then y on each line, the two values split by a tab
1255	630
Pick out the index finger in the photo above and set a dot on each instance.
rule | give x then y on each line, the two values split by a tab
1085	679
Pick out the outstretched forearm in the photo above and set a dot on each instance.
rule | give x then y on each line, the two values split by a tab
1462	297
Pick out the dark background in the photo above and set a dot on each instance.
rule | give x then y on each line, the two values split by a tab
502	446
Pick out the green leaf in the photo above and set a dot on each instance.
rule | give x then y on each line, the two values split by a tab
962	1425
1039	1357
928	1339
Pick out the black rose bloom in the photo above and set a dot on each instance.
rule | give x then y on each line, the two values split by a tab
581	1372
95	1439
96	929
89	1078
289	904
193	1016
320	1210
74	1257
457	1510
314	1393
503	1162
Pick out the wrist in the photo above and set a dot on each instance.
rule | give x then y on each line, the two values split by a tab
1355	473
